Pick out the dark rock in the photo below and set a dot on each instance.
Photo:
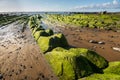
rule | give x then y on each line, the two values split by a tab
1	76
93	41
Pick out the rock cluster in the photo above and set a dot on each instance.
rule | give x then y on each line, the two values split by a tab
67	63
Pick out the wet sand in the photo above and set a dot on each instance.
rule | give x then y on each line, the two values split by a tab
81	38
20	58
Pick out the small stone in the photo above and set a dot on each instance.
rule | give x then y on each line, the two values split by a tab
116	49
118	31
93	41
100	42
1	76
102	47
94	46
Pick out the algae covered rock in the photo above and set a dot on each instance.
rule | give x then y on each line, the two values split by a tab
68	65
74	63
102	77
51	42
36	29
44	43
49	32
93	57
112	72
37	34
114	68
59	40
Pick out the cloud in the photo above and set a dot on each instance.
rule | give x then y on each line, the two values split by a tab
108	5
9	5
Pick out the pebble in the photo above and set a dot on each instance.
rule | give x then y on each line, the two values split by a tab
100	42
118	31
116	49
94	46
1	76
93	41
102	47
96	42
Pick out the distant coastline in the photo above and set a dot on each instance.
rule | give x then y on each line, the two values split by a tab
54	12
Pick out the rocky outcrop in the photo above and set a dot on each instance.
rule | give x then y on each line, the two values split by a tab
51	42
67	63
74	63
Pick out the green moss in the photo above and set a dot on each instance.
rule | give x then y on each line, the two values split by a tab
49	43
37	34
59	39
114	68
68	65
36	29
49	32
112	72
44	43
93	57
102	77
86	20
80	62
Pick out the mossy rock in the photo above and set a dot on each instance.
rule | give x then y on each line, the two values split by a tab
37	34
114	68
51	42
36	29
94	59
59	39
102	77
49	31
112	72
68	65
44	43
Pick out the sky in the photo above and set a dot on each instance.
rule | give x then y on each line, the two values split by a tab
60	5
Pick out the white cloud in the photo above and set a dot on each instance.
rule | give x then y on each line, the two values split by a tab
108	5
115	1
9	5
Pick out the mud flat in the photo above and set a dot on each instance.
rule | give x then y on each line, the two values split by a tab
20	58
101	41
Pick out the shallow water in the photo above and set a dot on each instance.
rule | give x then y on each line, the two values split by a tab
10	33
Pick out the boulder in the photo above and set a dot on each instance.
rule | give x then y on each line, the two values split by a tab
60	40
114	68
68	65
49	32
95	59
74	63
36	29
102	77
37	34
51	42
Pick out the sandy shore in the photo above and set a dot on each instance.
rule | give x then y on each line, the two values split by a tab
20	58
83	37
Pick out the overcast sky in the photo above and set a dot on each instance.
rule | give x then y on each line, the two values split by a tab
59	5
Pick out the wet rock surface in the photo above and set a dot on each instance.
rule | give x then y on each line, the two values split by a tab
20	58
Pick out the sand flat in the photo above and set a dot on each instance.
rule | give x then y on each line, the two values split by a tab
20	56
